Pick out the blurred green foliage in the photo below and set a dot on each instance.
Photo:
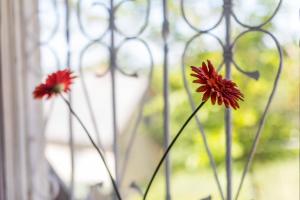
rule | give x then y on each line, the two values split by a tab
253	52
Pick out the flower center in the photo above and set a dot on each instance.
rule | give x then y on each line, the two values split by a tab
58	88
211	82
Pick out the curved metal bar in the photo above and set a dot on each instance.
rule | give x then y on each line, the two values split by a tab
220	66
262	119
83	51
198	35
194	27
137	188
143	27
203	33
52	32
81	27
139	117
86	48
56	26
252	74
101	4
86	93
122	2
134	74
93	118
206	198
260	25
37	44
193	106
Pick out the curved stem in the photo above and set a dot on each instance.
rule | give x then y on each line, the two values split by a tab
95	145
170	147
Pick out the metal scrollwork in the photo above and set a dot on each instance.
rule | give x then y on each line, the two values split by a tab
144	25
114	48
228	46
112	38
80	22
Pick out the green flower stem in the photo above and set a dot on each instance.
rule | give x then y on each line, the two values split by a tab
170	146
94	144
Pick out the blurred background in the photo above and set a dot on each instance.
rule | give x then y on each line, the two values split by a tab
133	84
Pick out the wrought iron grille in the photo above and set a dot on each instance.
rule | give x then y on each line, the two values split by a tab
113	39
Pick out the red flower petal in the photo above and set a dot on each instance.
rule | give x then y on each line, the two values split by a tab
40	91
197	76
210	67
226	103
55	83
201	81
206	95
196	69
213	97
220	101
215	87
202	88
204	68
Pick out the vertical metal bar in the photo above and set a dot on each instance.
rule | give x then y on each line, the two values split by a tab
2	153
165	34
228	118
71	132
113	84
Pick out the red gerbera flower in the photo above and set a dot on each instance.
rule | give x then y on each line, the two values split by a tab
215	87
56	83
